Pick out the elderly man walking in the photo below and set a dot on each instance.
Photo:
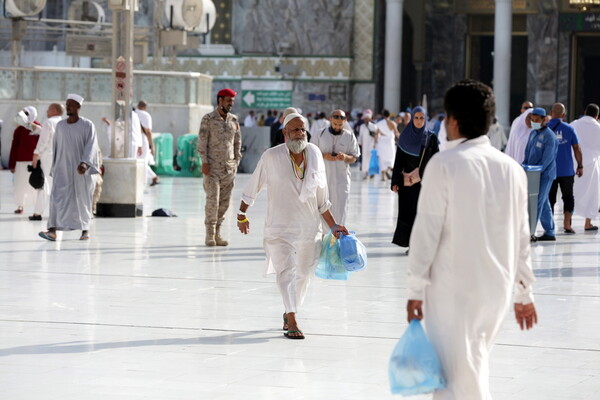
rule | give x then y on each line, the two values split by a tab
294	174
219	146
470	245
340	149
75	163
587	187
43	154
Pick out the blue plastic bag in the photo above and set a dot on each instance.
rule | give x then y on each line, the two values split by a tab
330	263
352	252
415	368
374	163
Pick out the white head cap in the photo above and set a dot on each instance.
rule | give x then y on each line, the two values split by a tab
31	113
288	111
367	114
292	116
75	97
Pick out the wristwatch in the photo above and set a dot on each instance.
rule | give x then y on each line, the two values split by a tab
580	167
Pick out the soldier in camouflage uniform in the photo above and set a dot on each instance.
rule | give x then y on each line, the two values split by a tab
219	145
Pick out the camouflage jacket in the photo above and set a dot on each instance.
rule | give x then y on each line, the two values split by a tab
220	142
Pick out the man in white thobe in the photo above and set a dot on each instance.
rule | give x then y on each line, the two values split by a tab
367	139
587	187
294	174
469	245
320	123
147	142
43	154
74	164
519	136
340	149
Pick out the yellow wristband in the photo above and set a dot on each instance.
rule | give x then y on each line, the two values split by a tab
242	220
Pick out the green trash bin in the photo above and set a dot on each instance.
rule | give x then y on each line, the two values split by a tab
163	154
188	158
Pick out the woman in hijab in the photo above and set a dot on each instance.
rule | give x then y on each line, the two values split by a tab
416	146
21	154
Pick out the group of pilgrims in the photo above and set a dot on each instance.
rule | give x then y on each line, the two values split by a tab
311	172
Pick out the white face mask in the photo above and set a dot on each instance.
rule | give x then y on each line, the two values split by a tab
536	125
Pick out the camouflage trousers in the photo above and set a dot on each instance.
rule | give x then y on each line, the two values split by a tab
218	195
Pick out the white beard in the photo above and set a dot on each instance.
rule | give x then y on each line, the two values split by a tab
296	146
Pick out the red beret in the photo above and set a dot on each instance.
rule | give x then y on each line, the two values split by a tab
226	93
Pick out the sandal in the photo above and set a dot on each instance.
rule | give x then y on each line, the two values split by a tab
570	231
84	237
289	336
48	236
285	322
592	228
19	210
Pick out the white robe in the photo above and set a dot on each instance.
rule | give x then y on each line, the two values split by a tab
518	137
469	247
587	187
386	146
318	126
71	197
338	172
367	143
45	151
146	122
292	233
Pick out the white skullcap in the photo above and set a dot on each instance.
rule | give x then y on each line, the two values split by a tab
292	116
75	97
32	113
367	114
289	110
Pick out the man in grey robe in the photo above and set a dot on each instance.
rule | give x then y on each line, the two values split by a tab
75	164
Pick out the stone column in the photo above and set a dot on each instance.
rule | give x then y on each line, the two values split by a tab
393	54
502	57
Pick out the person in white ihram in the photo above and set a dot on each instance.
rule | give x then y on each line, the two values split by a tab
470	245
294	174
587	187
148	144
43	154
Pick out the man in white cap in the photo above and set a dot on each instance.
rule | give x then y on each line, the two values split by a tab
298	199
340	149
367	139
75	162
148	144
43	154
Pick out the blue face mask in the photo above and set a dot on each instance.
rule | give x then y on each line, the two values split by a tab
536	125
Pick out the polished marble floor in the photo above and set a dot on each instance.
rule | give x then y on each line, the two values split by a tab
144	311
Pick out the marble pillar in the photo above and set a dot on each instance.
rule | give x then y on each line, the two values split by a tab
393	54
542	55
123	188
502	56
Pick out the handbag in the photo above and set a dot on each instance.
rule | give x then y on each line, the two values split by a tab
36	178
412	177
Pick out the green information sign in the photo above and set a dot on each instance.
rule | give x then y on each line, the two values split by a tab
273	99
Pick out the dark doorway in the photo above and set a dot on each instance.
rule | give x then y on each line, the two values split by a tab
585	73
481	67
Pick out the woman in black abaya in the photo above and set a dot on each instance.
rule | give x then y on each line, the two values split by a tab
416	146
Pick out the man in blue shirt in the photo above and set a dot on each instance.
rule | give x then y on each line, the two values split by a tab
541	150
565	175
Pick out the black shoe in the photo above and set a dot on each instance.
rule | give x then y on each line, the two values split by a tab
545	237
35	218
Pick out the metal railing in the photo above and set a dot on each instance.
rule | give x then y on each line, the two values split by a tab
94	84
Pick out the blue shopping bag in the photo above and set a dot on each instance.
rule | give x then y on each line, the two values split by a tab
330	263
352	252
415	367
374	163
